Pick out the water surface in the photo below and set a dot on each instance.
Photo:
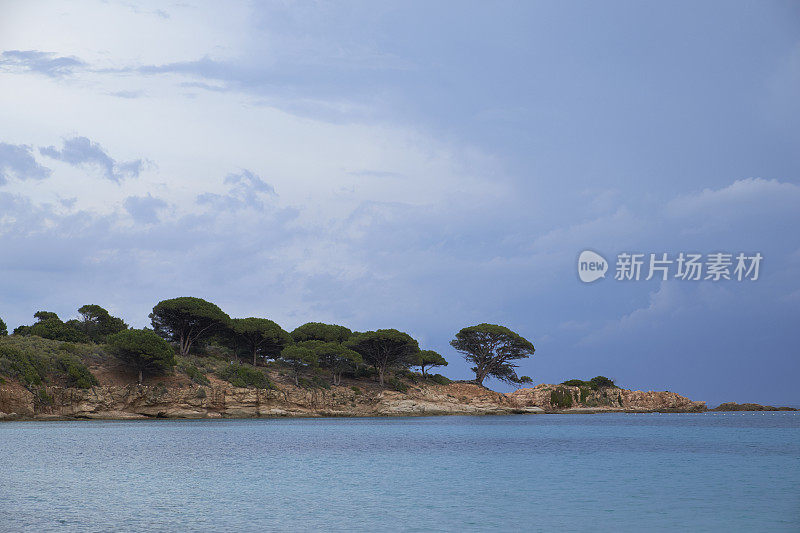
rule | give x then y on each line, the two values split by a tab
624	472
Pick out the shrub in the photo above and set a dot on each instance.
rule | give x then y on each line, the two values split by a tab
576	383
585	392
195	374
561	397
33	368
601	382
245	376
439	379
75	372
355	390
201	393
397	385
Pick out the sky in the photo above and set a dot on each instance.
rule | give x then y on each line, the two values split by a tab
423	166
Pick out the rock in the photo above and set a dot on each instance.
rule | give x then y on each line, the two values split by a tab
225	401
733	406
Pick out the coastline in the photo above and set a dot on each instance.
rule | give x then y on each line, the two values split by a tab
222	401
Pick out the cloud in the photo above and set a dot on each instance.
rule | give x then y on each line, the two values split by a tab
750	194
80	151
246	190
18	159
45	63
144	209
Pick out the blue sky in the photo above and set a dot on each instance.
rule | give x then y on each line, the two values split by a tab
417	165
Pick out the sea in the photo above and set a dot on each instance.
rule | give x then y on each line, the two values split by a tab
596	472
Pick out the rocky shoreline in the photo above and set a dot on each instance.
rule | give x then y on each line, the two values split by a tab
221	400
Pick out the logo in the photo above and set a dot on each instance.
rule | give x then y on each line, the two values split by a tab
591	266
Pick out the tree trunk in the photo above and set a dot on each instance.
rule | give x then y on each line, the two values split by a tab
423	372
140	376
380	375
297	379
254	357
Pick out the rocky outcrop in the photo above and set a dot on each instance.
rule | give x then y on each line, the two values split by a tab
563	398
733	406
224	401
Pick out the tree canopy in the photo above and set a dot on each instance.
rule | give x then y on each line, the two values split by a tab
384	349
49	326
144	350
298	358
97	323
186	320
262	337
3	328
425	359
334	356
317	331
492	348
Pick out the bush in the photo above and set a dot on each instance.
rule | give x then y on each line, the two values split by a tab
33	368
596	383
439	379
245	376
601	382
396	384
201	393
195	374
75	372
355	390
576	383
561	398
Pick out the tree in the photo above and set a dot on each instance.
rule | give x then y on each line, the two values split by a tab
492	349
298	358
3	328
384	349
186	320
144	350
98	323
261	337
317	331
41	316
49	326
428	359
334	356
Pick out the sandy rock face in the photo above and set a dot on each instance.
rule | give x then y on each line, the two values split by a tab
565	398
218	401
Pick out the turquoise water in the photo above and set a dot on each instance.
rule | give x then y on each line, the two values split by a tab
623	472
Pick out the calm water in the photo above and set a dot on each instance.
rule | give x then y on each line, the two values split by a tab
709	472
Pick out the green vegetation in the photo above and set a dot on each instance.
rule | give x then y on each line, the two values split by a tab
561	398
334	356
262	337
596	383
426	359
98	324
187	320
143	350
47	362
317	331
439	379
194	373
199	338
384	349
245	376
492	348
298	358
